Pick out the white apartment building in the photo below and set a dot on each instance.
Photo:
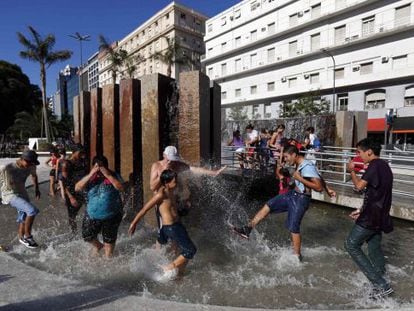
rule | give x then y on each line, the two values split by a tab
177	22
265	52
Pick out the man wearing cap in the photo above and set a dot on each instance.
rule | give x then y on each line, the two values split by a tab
171	160
13	190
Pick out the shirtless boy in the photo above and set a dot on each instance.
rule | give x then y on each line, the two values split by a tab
171	229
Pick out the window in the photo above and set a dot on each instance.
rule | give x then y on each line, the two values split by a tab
254	5
271	55
293	82
340	4
314	78
223	95
223	21
237	41
339	73
182	15
223	46
256	113
268	111
210	51
237	92
399	62
253	35
315	42
316	11
253	89
271	28
237	65
368	24
210	28
237	14
409	96
270	86
402	15
293	47
293	20
342	102
340	33
374	99
210	72
253	60
223	69
366	68
167	16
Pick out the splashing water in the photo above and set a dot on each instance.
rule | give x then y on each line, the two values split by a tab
260	272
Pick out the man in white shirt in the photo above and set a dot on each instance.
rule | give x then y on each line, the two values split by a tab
13	191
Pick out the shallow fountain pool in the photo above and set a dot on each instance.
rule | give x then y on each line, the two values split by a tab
227	270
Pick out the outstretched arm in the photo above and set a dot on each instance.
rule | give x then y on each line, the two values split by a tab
156	199
205	171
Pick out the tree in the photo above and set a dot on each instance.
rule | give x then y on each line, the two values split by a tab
172	54
131	63
310	104
16	94
237	114
116	57
40	50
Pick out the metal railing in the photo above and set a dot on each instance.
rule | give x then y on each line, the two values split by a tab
331	162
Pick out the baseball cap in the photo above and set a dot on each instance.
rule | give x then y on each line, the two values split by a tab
172	154
30	156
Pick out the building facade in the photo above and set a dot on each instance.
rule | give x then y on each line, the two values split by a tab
175	22
358	54
90	73
67	89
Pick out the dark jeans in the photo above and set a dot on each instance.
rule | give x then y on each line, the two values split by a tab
373	265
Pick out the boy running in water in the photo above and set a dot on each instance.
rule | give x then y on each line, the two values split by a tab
295	202
171	228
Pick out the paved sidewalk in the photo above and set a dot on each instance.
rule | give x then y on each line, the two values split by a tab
25	288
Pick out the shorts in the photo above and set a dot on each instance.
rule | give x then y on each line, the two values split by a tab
108	227
295	204
177	233
52	172
24	208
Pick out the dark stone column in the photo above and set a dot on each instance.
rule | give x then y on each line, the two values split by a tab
360	126
194	140
76	120
215	124
110	125
85	118
344	128
158	106
130	138
96	122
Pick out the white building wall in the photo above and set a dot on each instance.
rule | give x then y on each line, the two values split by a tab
257	69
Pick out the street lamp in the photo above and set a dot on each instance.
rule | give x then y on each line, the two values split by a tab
334	102
77	36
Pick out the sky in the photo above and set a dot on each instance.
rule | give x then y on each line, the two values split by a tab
114	19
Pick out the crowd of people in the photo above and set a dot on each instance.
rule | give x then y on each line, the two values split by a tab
101	189
255	150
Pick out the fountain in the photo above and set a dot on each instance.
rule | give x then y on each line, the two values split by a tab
226	271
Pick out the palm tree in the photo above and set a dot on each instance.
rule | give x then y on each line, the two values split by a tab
40	50
116	57
131	63
171	55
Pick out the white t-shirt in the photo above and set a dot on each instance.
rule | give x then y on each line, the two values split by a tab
253	135
13	181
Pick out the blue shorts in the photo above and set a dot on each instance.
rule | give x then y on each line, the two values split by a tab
295	204
24	208
177	232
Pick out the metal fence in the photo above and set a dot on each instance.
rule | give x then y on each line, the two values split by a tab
331	162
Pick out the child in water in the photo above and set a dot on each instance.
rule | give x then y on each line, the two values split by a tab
171	228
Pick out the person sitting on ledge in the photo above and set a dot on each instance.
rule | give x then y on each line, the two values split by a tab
171	229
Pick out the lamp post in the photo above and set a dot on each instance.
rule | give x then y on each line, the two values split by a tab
334	101
77	36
